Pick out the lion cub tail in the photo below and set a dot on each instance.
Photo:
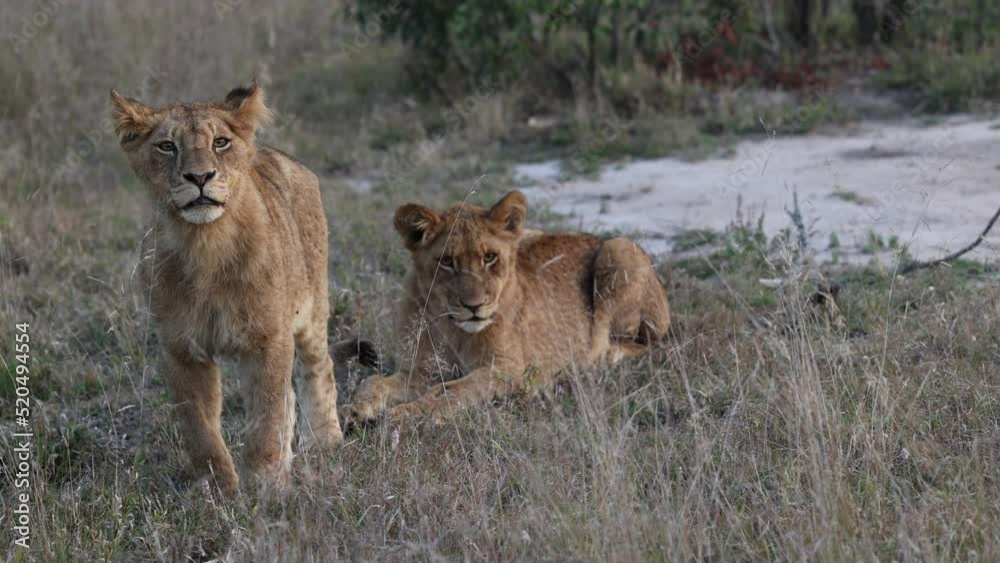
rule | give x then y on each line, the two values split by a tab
360	351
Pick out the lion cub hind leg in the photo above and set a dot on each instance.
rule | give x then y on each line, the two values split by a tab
197	389
623	278
320	425
270	405
655	311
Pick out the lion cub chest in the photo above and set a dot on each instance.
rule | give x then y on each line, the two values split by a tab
217	321
207	329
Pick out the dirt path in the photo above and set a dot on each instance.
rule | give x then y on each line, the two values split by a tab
931	188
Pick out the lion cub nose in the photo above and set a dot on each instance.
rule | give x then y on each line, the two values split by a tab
199	179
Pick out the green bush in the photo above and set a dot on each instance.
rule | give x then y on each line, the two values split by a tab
945	82
465	40
629	54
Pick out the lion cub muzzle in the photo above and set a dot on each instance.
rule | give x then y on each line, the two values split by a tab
473	318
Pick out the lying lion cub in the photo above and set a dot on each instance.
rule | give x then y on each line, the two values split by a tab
508	313
236	264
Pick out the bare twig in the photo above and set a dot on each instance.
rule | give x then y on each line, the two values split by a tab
917	265
830	289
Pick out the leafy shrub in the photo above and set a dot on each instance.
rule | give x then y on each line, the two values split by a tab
464	40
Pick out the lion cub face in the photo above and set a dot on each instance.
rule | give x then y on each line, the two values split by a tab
191	155
465	257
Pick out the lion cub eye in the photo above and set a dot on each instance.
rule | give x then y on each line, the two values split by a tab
220	142
166	147
490	258
448	262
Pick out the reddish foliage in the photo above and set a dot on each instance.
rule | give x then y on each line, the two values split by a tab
716	61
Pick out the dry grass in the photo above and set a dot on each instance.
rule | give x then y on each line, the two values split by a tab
871	435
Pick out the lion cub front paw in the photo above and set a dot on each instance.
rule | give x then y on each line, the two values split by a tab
370	401
326	437
360	413
268	478
404	413
226	483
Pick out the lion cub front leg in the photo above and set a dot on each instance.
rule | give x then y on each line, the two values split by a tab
270	405
445	401
196	386
376	394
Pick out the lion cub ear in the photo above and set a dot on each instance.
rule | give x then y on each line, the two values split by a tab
416	224
509	212
246	105
132	119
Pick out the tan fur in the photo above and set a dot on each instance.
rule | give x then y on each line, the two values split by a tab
547	304
246	279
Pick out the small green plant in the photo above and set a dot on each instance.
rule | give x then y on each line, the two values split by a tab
741	247
834	247
850	197
874	243
690	239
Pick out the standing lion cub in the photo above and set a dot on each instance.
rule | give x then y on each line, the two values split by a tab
493	311
235	264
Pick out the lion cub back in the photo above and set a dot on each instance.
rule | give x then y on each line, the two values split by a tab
556	271
292	191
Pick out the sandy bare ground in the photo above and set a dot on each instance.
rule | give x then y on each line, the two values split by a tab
932	187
